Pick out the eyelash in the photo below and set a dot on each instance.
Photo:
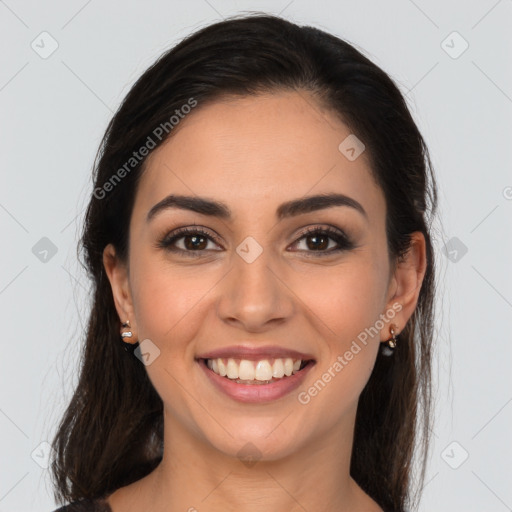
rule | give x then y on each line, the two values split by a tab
343	241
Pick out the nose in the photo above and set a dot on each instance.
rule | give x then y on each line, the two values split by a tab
254	295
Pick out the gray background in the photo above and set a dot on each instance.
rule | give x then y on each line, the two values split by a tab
54	111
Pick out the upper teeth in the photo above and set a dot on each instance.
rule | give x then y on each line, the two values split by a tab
245	369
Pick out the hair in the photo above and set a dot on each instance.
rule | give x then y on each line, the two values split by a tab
111	433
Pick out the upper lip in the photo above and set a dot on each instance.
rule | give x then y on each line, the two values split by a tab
255	353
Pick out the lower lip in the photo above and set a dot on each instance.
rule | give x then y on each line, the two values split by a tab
256	393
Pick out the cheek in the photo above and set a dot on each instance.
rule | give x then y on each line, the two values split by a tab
166	298
344	305
346	299
169	303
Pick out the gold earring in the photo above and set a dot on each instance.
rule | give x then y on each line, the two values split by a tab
389	346
392	341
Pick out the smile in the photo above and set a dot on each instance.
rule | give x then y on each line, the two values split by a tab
263	371
256	381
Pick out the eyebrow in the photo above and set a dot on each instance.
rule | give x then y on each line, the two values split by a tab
219	209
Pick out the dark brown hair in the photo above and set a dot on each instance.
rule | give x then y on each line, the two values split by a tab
112	433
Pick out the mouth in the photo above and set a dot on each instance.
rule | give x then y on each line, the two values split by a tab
250	372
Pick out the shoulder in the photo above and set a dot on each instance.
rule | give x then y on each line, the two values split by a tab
86	506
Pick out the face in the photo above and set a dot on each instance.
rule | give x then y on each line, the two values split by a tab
262	281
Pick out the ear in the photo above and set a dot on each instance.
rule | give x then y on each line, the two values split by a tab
405	284
117	273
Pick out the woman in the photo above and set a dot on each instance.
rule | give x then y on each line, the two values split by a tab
259	243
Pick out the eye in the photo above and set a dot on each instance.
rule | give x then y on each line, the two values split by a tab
318	239
192	240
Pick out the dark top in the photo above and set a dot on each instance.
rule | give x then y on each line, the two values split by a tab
86	506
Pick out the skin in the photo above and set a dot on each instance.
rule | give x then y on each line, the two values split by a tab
253	154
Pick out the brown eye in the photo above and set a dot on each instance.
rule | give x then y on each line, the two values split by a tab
195	242
317	241
189	241
325	241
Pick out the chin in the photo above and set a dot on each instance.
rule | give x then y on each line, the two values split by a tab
259	440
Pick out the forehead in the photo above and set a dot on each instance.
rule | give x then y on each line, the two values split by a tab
247	151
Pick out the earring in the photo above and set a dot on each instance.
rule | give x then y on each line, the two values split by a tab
126	334
390	345
129	346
